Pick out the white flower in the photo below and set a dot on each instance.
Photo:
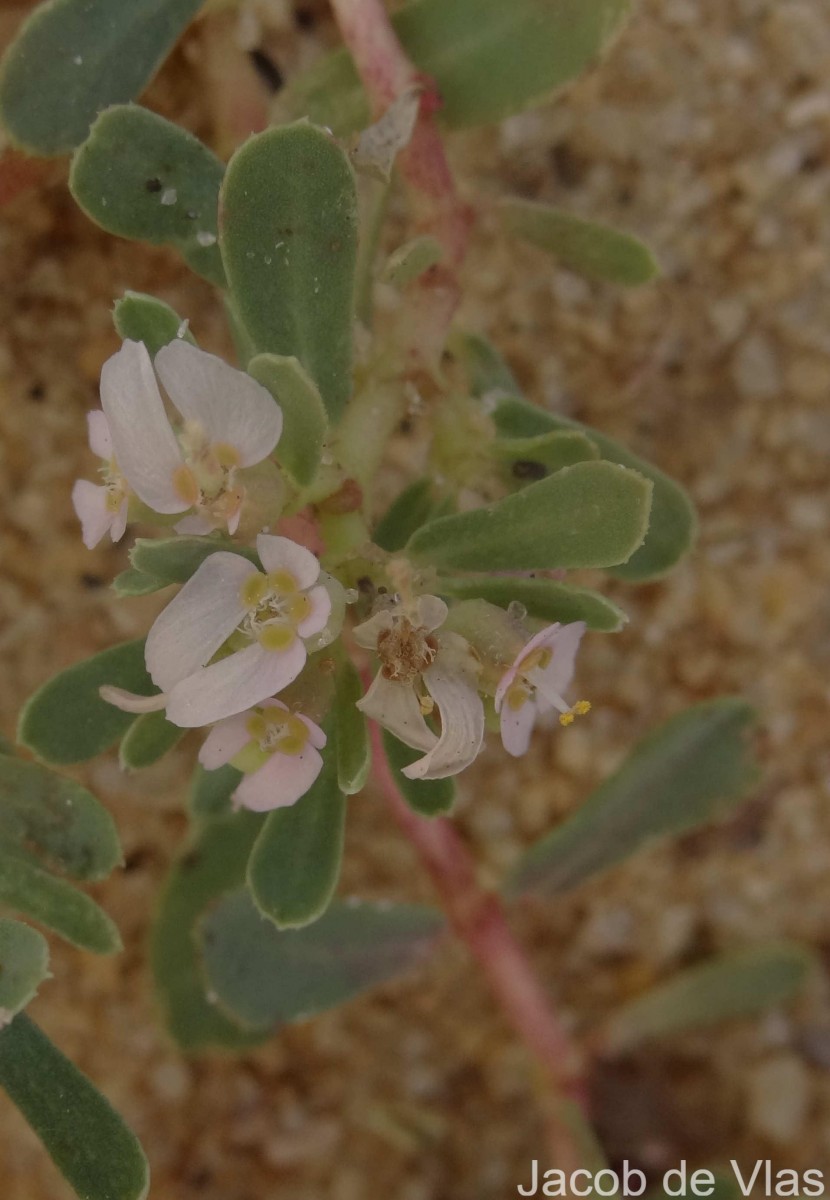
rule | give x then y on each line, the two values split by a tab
279	752
270	615
229	422
101	508
420	670
534	683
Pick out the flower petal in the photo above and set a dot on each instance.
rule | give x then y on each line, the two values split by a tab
145	446
517	726
430	612
280	782
100	439
281	554
195	524
230	406
564	644
233	684
462	725
319	615
395	706
224	741
197	621
315	734
367	633
131	702
90	504
119	521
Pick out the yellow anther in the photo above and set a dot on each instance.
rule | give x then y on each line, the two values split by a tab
227	456
282	582
253	590
426	705
566	718
582	707
185	485
277	637
298	608
257	726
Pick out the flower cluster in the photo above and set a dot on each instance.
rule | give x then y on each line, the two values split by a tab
236	640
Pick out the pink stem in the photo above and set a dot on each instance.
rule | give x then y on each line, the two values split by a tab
478	919
387	73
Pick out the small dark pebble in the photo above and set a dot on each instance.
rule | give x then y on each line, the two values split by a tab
266	69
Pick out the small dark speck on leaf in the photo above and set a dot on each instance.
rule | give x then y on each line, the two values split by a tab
154	185
525	469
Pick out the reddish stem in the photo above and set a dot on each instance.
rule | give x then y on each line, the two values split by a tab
387	73
478	919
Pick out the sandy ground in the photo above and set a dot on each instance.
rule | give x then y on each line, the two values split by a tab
707	132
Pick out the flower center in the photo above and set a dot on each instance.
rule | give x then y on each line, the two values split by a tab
206	478
276	607
405	650
525	688
278	732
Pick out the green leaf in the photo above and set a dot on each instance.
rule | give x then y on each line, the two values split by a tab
143	318
147	740
550	451
734	985
73	58
66	721
135	583
174	560
57	905
57	818
428	797
265	976
673	524
305	423
85	1137
544	599
486	367
489	59
289	244
596	251
295	864
411	260
142	177
354	755
594	514
24	964
415	505
211	792
692	770
211	864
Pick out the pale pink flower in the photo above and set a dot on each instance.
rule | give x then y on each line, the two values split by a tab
268	617
421	670
101	508
534	684
229	422
278	750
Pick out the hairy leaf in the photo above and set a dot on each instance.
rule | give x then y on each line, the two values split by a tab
211	792
692	770
428	797
354	755
143	318
305	423
147	740
56	904
545	599
24	964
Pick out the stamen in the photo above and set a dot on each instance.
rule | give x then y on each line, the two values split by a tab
253	590
185	485
579	710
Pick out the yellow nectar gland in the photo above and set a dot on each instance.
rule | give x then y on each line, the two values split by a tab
280	733
276	637
517	696
226	456
253	590
185	485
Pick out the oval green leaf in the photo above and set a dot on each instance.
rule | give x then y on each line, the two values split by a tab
265	976
211	864
147	740
58	819
692	770
57	905
545	599
673	524
593	514
85	1137
489	59
142	177
24	964
174	560
295	864
211	792
354	755
143	318
428	797
411	260
734	985
289	244
596	251
305	423
537	457
74	58
66	721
